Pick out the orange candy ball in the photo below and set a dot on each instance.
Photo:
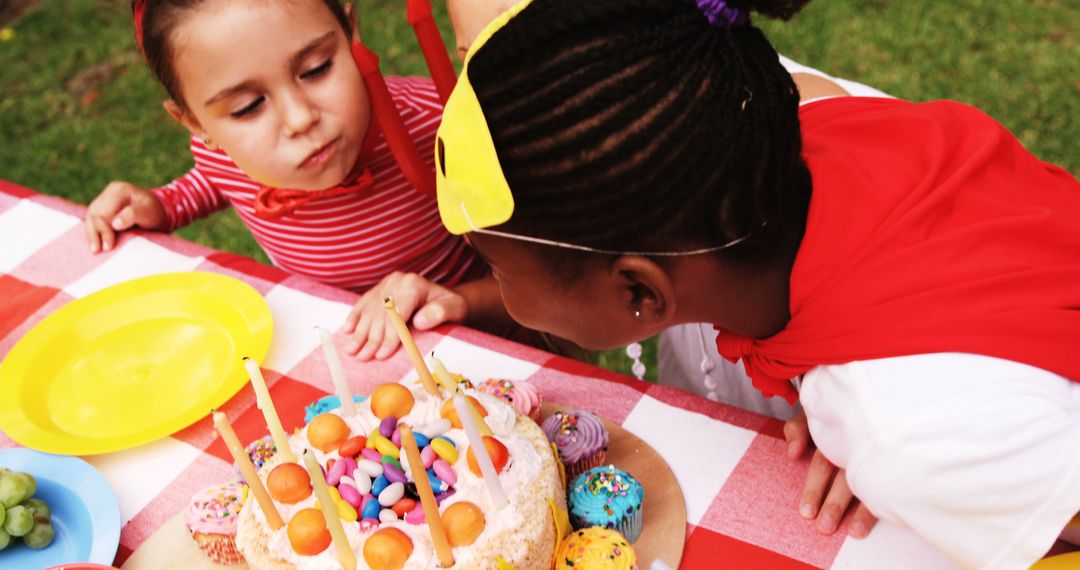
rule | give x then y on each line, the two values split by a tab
391	400
387	549
496	450
289	483
308	534
327	432
449	411
463	522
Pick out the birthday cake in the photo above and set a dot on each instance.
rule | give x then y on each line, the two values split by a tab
372	486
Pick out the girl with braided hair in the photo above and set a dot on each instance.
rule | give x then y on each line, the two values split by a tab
908	272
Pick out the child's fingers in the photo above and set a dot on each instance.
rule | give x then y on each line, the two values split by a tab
797	434
375	334
861	522
442	310
836	502
124	219
106	233
359	334
390	343
93	239
818	478
353	319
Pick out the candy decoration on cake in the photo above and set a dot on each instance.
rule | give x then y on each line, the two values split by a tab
498	453
521	394
259	451
482	458
387	549
327	432
224	428
464	522
596	548
327	404
391	400
308	534
289	483
581	438
607	497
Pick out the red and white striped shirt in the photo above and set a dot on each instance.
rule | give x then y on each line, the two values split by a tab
350	241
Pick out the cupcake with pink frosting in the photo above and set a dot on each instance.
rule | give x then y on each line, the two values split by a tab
522	395
581	438
211	518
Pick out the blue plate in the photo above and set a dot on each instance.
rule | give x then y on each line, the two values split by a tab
85	512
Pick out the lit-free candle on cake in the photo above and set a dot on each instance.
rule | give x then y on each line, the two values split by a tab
266	404
450	384
330	512
243	461
427	497
483	460
410	347
337	373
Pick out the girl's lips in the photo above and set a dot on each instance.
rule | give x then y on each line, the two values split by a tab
320	156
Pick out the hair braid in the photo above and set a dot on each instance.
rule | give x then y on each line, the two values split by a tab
636	124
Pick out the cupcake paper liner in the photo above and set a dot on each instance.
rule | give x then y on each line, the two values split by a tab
219	548
595	460
631	526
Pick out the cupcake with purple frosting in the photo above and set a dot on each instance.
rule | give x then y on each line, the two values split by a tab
580	437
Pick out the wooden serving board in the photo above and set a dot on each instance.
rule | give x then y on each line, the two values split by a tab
171	548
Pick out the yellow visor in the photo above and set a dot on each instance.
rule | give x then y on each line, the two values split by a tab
472	189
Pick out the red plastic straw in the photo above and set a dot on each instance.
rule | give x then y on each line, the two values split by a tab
397	137
432	46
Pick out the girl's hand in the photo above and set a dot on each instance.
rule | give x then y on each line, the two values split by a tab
119	207
373	333
826	495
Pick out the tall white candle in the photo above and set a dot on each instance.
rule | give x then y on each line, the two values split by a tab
476	442
264	403
337	373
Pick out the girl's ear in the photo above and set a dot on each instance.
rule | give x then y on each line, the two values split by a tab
647	291
188	121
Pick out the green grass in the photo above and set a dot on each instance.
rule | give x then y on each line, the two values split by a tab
78	108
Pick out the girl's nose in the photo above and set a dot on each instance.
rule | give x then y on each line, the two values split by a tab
298	114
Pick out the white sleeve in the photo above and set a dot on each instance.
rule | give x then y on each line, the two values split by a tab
853	87
977	455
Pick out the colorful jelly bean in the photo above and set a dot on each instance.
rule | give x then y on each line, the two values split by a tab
370	467
428	456
363	483
395	438
387	460
387	516
422	440
334	473
415	516
387	426
445	449
391	494
350	466
378	484
371	454
350	495
437	485
394	474
386	447
443	496
444	471
371	510
402	507
352	446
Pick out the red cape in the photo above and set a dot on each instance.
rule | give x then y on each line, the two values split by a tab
930	230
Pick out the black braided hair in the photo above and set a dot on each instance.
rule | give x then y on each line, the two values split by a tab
638	125
160	19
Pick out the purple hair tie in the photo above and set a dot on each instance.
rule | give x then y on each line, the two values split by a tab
721	14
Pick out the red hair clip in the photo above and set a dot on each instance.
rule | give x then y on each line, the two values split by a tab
138	8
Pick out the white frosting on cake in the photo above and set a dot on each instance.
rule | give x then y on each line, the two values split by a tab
522	532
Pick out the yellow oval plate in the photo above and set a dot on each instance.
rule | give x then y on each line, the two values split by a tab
132	363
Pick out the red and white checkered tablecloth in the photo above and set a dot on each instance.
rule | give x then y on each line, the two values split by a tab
741	490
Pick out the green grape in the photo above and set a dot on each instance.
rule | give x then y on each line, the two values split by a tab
13	489
31	484
5	539
40	536
19	521
2	513
37	507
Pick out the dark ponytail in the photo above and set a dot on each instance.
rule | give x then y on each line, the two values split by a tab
638	125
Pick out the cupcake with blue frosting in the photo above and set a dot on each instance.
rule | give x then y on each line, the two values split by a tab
608	497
